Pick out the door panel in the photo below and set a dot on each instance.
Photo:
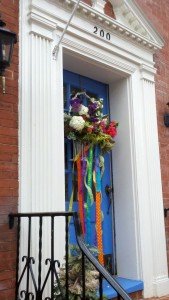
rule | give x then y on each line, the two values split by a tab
74	83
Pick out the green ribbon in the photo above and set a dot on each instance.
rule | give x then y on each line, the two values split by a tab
90	197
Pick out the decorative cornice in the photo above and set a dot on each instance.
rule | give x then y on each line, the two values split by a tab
126	68
112	24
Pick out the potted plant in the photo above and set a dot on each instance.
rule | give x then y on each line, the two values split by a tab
75	278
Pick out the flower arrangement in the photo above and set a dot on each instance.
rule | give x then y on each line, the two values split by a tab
88	125
93	135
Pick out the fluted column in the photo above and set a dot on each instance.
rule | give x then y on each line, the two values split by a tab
155	202
40	122
41	130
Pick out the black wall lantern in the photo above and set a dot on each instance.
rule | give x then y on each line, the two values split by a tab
166	118
7	41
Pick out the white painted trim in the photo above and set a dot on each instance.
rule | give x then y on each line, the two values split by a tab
98	5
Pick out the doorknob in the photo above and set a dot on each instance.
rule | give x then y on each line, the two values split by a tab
108	189
109	193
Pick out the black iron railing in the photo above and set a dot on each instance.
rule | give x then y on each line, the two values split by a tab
35	283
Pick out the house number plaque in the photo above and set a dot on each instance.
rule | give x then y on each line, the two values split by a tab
101	33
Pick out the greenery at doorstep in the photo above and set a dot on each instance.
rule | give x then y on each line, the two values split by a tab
75	277
87	124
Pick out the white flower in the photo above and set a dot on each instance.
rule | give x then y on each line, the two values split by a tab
83	110
77	123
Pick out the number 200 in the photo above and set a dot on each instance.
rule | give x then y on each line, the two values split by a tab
102	33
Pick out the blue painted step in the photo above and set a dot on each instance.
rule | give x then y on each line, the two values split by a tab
129	285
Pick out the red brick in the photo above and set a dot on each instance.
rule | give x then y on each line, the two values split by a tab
7	114
7	275
7	284
10	264
9	173
11	201
10	98
7	140
8	149
10	183
8	123
7	246
8	131
9	3
7	294
108	10
9	159
5	157
7	236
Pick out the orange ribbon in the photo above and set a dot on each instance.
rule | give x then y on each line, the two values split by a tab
99	227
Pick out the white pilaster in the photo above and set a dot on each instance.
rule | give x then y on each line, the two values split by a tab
41	125
42	118
155	202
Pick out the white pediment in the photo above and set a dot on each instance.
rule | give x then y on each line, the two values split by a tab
129	14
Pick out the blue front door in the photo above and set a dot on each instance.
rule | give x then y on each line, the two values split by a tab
74	83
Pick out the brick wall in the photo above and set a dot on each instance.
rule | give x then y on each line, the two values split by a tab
158	12
8	158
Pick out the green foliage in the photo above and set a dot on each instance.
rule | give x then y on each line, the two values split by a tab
75	278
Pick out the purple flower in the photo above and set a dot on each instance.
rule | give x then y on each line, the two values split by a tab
92	108
75	104
94	119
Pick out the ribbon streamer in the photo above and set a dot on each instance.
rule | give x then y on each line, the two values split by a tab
98	207
73	186
90	198
80	192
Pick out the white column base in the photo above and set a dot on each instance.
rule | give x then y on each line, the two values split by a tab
161	287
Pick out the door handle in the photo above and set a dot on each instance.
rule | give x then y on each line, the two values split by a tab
109	193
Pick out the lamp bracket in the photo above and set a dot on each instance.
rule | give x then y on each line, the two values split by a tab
2	23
